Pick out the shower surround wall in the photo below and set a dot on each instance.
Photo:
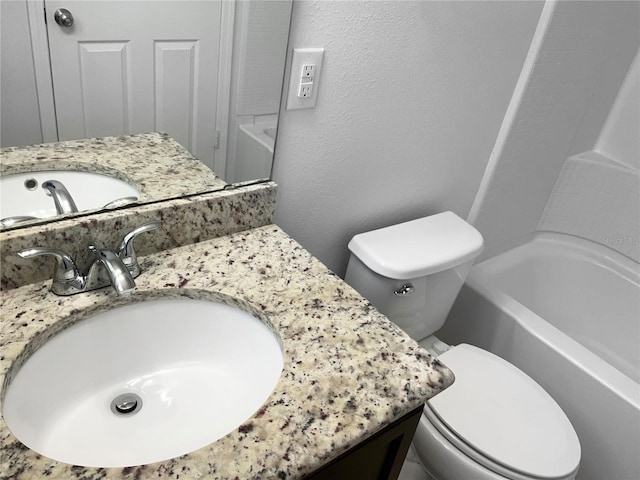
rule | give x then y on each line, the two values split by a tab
619	138
597	199
578	60
597	195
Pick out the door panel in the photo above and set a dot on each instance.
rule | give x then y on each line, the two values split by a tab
104	75
176	88
137	66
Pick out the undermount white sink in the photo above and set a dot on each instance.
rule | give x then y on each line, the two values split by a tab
183	372
22	193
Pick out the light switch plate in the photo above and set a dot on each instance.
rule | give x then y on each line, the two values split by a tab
300	57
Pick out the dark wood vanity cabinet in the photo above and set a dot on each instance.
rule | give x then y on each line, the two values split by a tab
380	457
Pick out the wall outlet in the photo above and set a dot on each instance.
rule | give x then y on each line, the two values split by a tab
306	90
308	70
304	76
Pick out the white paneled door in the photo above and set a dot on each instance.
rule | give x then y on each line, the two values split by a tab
137	66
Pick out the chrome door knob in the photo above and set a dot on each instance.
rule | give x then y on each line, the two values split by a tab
63	17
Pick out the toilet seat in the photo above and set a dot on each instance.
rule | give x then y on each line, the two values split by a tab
501	418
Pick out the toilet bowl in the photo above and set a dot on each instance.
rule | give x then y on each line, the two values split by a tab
494	422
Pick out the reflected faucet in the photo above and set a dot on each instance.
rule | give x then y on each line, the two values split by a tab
61	196
11	221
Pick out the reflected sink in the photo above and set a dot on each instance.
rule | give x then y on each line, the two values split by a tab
143	383
22	193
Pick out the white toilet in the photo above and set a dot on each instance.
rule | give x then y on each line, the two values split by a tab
494	422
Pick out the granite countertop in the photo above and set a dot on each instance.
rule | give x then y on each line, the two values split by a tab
157	165
348	371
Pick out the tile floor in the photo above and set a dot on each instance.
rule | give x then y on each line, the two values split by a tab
412	469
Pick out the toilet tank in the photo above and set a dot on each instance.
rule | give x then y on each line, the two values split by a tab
412	272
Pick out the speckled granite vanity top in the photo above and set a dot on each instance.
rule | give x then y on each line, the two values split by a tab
348	371
153	162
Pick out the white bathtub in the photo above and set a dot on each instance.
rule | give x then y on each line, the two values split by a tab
254	150
567	312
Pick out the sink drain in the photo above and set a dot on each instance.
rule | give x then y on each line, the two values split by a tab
31	184
126	404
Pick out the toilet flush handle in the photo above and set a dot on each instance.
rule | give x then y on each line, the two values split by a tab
404	290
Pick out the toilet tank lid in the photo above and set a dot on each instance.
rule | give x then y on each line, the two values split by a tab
419	247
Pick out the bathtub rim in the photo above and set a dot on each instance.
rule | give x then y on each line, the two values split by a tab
256	131
576	247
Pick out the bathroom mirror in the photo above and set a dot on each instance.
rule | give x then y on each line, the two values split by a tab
208	73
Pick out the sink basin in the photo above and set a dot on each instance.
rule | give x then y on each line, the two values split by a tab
143	383
22	194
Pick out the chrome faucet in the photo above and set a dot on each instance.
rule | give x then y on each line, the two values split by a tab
104	267
104	261
61	196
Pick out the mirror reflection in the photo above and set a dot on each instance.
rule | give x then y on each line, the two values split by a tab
209	73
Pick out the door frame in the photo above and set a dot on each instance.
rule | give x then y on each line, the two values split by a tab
225	61
42	69
44	78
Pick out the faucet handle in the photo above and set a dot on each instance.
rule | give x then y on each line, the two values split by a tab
126	251
65	268
66	277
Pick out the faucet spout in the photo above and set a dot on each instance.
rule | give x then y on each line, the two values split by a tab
119	275
61	196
